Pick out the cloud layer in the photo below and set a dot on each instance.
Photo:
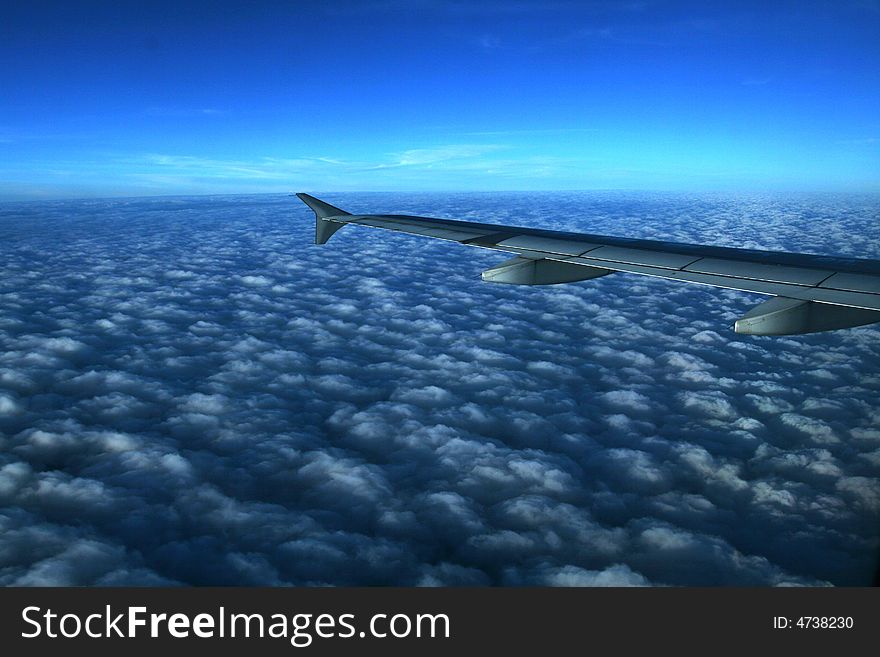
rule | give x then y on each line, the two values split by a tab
193	393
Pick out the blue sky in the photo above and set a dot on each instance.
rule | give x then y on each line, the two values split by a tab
105	99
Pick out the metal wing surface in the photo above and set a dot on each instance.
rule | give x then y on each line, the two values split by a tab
809	293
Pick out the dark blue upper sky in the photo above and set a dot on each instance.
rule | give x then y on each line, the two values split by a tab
186	97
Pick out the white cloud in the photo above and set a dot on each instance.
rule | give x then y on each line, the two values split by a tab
192	392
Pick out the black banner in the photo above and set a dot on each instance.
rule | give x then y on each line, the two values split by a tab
433	621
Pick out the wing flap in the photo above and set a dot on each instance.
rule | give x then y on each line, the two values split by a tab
839	297
853	282
548	245
759	271
664	259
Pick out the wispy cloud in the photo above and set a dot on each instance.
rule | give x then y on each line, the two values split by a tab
450	166
530	132
269	168
441	154
659	34
264	169
17	135
864	141
488	41
181	112
456	165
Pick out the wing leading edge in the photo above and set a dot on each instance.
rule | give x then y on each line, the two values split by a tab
810	292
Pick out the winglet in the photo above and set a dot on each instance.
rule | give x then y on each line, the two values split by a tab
325	213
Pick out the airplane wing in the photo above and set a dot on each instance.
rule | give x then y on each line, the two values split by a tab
809	293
